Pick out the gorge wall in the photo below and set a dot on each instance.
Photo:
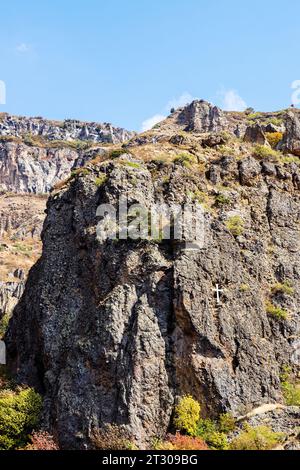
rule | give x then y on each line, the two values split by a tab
114	331
35	155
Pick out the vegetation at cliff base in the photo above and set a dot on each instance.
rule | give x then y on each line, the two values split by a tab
211	432
187	414
290	387
41	440
181	442
19	415
256	438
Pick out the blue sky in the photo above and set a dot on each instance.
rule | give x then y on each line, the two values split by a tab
125	61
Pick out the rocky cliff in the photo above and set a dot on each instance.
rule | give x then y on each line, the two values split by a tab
67	130
35	155
36	169
114	331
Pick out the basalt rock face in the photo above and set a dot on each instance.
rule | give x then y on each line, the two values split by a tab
114	331
62	130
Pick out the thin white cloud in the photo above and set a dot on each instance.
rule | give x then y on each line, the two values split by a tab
23	48
184	99
150	122
232	101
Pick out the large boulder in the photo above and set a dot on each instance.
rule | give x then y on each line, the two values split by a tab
255	134
291	139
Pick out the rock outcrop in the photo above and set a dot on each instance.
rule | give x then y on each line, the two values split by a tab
114	331
10	294
31	169
291	140
201	116
255	134
62	130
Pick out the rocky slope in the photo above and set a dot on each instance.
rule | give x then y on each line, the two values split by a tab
21	220
67	130
115	331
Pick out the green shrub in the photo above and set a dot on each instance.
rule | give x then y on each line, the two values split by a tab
100	180
244	288
282	288
260	151
187	414
218	441
290	388
276	311
275	121
227	423
235	225
4	324
290	159
132	164
226	150
254	116
80	172
198	196
256	438
291	393
185	159
210	432
222	200
19	414
117	153
206	427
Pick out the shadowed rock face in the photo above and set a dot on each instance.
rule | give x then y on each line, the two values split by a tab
255	134
116	331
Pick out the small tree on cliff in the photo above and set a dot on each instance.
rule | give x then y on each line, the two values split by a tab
187	414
